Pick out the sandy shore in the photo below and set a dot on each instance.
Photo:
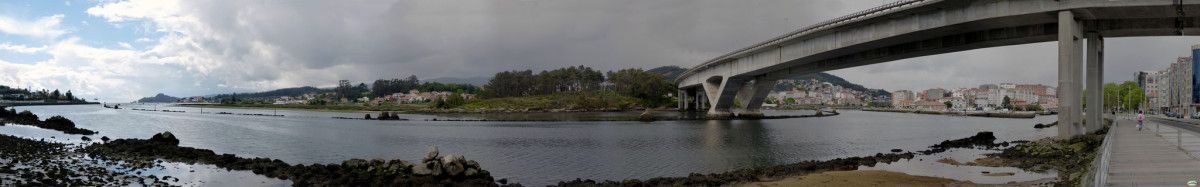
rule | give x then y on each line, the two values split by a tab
860	178
878	178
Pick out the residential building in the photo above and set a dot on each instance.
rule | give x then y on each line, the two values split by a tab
1180	89
902	98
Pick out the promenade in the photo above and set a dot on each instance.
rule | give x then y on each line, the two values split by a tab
1159	155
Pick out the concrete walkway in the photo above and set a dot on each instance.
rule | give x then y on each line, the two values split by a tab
1153	156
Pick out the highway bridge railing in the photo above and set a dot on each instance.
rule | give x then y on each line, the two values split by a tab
813	28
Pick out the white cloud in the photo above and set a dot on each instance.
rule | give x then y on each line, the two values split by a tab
125	45
46	27
17	48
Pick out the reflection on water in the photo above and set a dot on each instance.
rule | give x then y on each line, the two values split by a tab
540	153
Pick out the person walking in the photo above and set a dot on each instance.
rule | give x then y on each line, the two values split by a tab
1140	117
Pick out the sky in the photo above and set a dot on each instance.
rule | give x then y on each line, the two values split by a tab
121	50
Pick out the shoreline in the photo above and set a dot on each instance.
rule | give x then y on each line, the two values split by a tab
8	104
1016	115
438	114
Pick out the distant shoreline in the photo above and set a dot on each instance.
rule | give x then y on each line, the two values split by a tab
1025	115
11	104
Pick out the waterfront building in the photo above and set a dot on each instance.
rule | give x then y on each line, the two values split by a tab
902	98
933	94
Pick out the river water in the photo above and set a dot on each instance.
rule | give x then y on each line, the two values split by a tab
541	153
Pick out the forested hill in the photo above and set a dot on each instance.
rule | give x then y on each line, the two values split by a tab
160	98
671	72
668	72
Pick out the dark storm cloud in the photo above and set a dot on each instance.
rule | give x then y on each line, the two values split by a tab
259	45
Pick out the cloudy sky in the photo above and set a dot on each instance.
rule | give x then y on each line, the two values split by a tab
120	50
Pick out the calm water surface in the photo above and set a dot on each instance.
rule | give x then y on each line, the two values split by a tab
540	153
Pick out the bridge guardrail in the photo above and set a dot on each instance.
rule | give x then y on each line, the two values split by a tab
1098	172
812	28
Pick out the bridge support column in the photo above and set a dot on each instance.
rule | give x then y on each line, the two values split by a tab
689	99
753	97
1070	59
721	92
1095	83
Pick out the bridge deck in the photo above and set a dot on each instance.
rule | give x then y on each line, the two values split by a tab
1152	157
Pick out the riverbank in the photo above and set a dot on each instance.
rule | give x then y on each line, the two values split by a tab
29	162
42	103
319	108
1025	115
859	178
982	140
433	169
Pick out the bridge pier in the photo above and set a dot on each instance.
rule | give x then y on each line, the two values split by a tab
1070	75
689	100
1095	83
752	97
721	92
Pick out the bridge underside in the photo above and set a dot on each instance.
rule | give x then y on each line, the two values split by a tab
750	77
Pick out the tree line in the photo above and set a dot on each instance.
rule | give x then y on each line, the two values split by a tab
634	82
1125	96
9	93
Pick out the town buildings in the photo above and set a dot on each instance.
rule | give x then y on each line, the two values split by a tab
1180	86
984	97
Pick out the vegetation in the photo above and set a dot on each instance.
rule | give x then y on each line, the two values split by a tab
9	93
563	100
641	84
1127	95
384	87
545	90
526	83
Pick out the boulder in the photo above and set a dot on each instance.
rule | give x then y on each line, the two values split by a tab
433	153
453	165
422	170
470	172
165	138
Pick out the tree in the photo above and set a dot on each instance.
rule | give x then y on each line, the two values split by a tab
1112	95
1006	103
70	96
55	95
639	84
509	84
948	104
344	89
1131	95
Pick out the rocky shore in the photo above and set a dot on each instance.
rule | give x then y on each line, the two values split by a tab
1069	157
979	140
434	170
26	162
57	123
959	113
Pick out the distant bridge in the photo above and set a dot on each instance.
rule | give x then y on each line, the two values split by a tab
915	28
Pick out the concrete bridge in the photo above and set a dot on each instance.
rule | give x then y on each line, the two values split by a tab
915	28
